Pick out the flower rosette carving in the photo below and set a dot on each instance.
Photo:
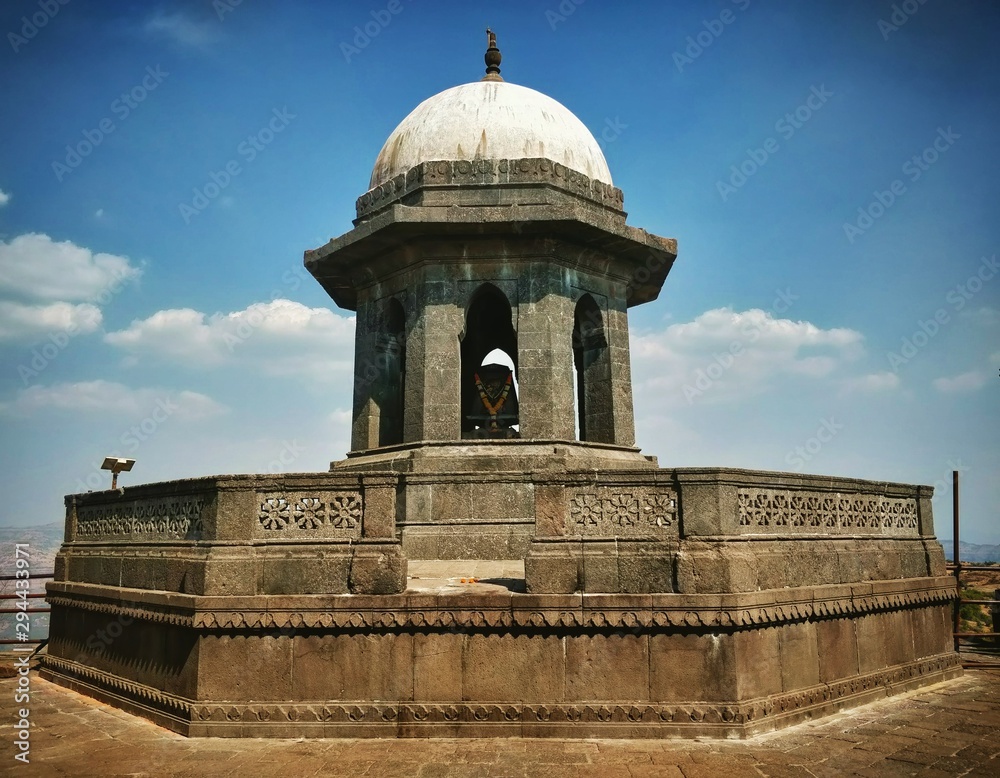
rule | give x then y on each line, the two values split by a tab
846	513
274	513
828	511
345	511
743	507
309	513
623	510
798	510
585	509
760	509
660	510
780	509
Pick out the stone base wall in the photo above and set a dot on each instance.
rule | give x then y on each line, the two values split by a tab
659	602
498	664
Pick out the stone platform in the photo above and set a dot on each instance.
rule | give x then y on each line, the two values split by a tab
651	603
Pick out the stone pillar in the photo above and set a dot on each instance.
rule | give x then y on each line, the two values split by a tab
378	565
545	358
433	366
365	418
616	331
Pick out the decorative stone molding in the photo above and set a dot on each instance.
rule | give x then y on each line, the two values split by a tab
157	517
326	513
780	511
132	610
141	693
626	612
492	173
387	715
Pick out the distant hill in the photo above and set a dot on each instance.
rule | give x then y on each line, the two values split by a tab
43	543
972	552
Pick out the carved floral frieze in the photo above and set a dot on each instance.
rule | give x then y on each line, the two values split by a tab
780	511
608	512
157	516
337	513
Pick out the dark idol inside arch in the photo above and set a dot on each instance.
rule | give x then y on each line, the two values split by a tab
493	413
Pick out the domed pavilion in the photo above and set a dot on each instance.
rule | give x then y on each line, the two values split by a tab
491	269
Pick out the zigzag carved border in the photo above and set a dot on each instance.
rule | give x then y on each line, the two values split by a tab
394	618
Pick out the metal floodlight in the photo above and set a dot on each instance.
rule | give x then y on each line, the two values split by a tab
117	465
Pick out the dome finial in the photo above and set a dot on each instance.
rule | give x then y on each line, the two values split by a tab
492	57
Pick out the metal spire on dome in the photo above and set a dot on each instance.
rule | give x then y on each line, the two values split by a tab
492	57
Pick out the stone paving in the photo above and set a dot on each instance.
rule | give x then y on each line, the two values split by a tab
949	729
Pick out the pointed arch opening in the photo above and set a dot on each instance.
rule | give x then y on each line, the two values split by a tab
592	363
489	392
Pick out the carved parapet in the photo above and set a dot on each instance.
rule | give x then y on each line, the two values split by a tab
720	502
615	534
723	530
488	172
233	534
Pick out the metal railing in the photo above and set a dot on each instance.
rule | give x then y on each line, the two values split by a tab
30	596
957	567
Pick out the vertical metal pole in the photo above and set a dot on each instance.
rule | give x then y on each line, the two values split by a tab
957	555
114	479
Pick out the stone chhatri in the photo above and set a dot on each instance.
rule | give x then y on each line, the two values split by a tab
655	601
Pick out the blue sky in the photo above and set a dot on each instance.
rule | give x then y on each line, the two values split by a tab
829	170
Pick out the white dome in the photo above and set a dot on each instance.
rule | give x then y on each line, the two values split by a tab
490	120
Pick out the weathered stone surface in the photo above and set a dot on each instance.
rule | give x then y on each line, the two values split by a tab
377	568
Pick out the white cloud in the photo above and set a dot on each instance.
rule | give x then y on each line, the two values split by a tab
873	382
35	267
725	355
4	198
113	398
20	322
985	317
281	337
341	417
964	382
182	29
